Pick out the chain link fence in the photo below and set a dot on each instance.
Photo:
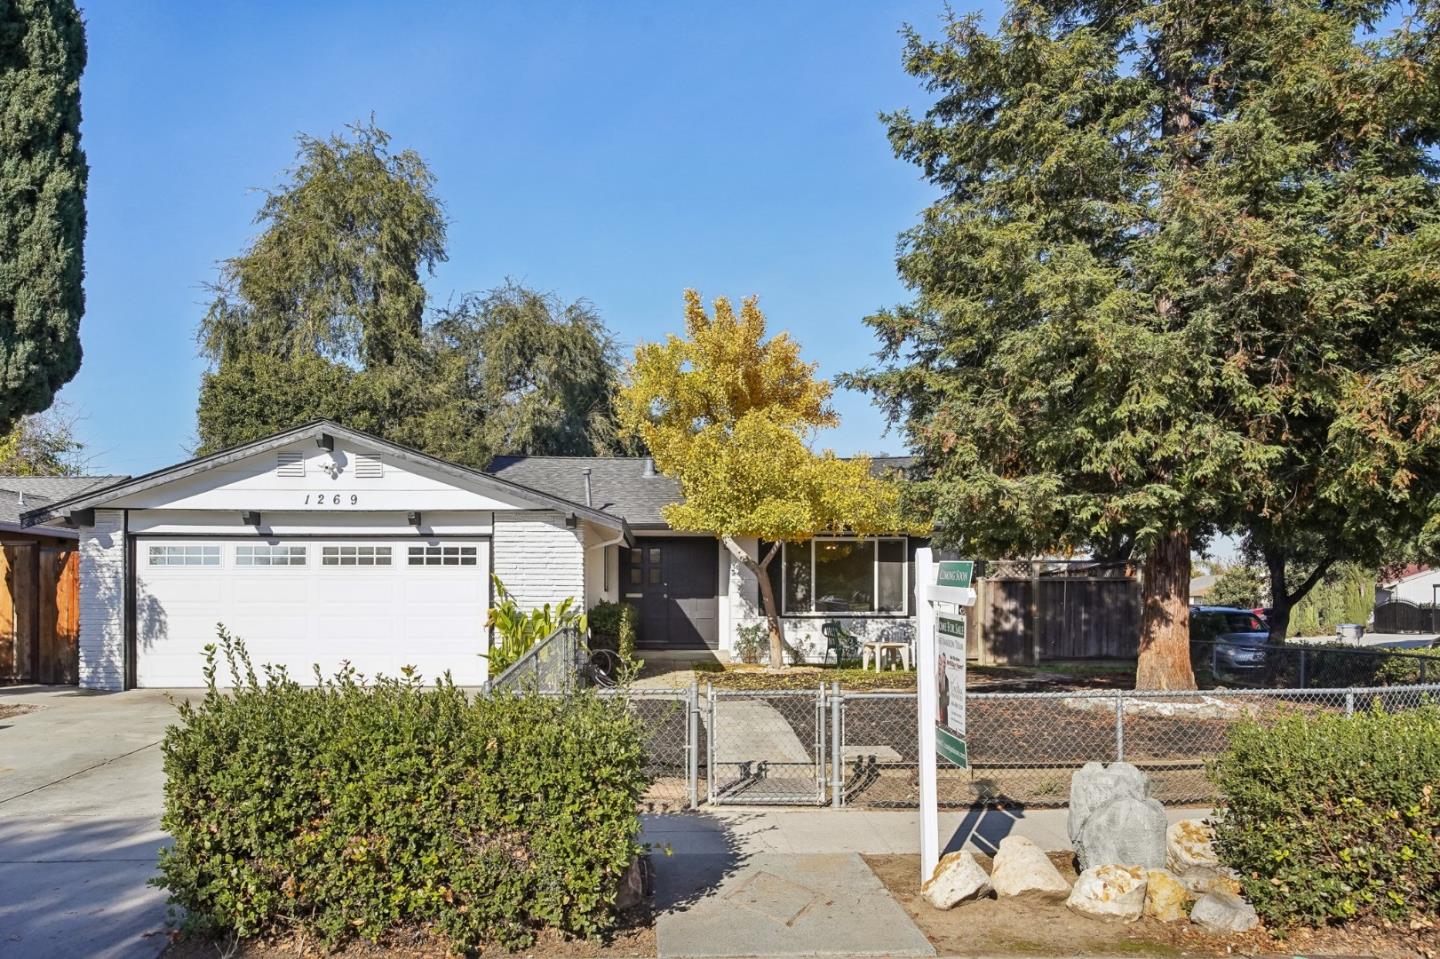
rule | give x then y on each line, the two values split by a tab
829	746
550	666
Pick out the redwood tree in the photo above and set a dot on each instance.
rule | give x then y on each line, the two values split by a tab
1181	277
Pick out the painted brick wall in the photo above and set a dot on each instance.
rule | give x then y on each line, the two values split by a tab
102	602
537	558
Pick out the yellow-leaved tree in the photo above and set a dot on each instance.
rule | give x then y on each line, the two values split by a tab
728	414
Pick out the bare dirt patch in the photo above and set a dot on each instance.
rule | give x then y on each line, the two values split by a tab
634	938
9	712
1004	927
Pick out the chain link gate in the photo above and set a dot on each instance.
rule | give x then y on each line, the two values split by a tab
766	747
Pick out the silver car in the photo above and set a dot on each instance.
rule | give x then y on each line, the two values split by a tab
1231	640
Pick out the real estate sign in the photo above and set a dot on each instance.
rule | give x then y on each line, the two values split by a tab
942	592
950	687
955	572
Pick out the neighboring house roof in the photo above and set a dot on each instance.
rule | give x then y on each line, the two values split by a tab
1396	575
22	494
126	486
620	484
1200	585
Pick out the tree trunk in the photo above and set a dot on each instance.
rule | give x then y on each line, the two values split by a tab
1280	602
1165	627
767	596
1282	598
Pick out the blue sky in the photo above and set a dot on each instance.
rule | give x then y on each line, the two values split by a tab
615	151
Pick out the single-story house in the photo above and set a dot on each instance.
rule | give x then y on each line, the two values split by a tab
39	595
1413	583
322	545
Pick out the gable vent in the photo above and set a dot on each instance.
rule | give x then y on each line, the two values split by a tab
368	466
289	464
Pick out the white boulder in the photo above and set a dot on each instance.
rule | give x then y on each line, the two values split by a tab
1114	893
957	877
1221	913
1095	784
1124	830
1022	869
1198	880
1189	843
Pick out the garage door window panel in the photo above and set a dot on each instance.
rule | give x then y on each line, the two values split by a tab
249	555
184	555
443	556
355	555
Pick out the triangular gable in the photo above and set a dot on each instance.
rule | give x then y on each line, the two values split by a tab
293	469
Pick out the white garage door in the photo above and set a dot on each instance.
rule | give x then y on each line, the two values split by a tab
380	605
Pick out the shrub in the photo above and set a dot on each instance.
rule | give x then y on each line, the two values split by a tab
348	809
1337	665
616	622
752	643
1406	670
1329	818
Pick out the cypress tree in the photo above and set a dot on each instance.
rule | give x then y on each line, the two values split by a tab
42	202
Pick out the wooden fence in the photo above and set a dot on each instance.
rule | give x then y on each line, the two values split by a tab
39	612
1032	612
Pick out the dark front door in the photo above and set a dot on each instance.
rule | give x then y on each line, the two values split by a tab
671	580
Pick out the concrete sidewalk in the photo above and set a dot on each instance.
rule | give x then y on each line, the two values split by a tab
799	831
790	882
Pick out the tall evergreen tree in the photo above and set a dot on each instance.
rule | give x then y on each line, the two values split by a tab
317	317
533	374
43	175
1182	277
325	316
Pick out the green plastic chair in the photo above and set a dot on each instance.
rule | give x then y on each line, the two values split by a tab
845	644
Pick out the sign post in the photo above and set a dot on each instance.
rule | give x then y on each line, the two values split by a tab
942	588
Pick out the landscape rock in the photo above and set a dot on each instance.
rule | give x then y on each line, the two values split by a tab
1114	893
957	877
1095	785
1189	843
1221	913
636	885
1022	869
1125	830
1165	898
1198	880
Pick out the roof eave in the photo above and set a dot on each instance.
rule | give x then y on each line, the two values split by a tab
98	497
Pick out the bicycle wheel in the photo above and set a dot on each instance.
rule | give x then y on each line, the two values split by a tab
604	667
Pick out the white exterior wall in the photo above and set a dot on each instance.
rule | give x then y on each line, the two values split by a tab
102	602
537	558
1419	588
602	565
740	605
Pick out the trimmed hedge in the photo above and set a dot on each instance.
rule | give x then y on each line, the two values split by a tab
352	809
1329	818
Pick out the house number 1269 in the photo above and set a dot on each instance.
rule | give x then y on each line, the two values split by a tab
335	499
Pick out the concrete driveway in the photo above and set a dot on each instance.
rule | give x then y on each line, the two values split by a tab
80	799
